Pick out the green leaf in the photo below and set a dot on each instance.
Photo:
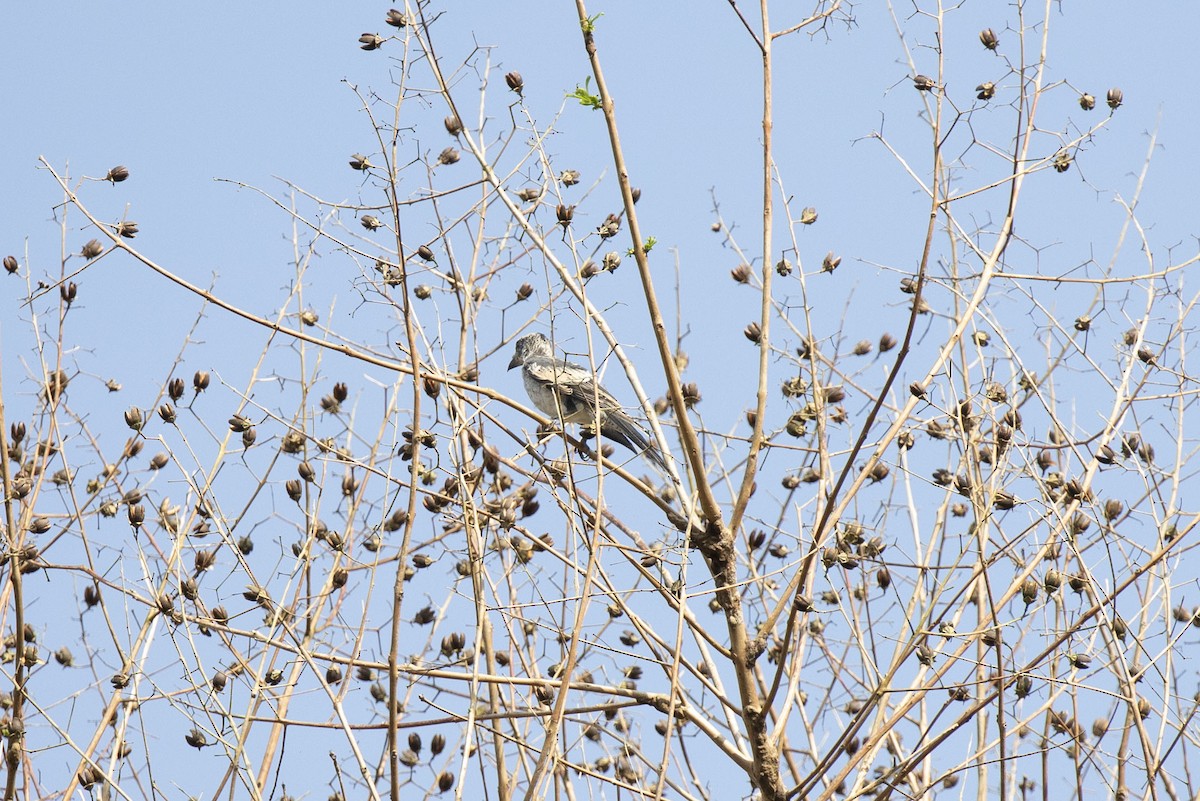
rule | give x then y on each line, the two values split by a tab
584	95
647	245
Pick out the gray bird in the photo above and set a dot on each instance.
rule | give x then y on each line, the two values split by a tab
569	392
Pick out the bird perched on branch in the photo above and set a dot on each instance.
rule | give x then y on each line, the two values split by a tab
569	392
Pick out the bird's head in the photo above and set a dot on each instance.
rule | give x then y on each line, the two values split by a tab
530	345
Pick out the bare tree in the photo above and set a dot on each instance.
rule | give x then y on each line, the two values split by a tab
944	559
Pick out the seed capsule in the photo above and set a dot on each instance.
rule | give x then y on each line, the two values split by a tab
923	83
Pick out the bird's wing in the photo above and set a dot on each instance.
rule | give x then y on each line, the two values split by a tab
577	393
570	381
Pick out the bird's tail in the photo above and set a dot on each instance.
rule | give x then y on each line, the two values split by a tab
621	428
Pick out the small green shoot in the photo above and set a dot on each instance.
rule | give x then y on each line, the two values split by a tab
585	97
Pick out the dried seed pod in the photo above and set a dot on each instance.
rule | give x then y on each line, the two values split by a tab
611	261
796	425
610	227
11	265
360	162
448	156
987	37
753	332
783	267
830	262
1029	590
204	560
515	81
1147	356
1087	102
985	90
917	390
569	177
1062	161
886	342
1115	98
91	249
564	214
55	383
200	381
923	83
808	215
741	274
167	413
370	41
127	229
117	174
1113	509
371	222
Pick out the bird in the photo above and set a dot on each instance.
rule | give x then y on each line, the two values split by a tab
570	392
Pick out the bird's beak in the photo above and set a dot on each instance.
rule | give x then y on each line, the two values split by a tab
516	362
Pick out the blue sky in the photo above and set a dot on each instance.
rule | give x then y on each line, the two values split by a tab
254	93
